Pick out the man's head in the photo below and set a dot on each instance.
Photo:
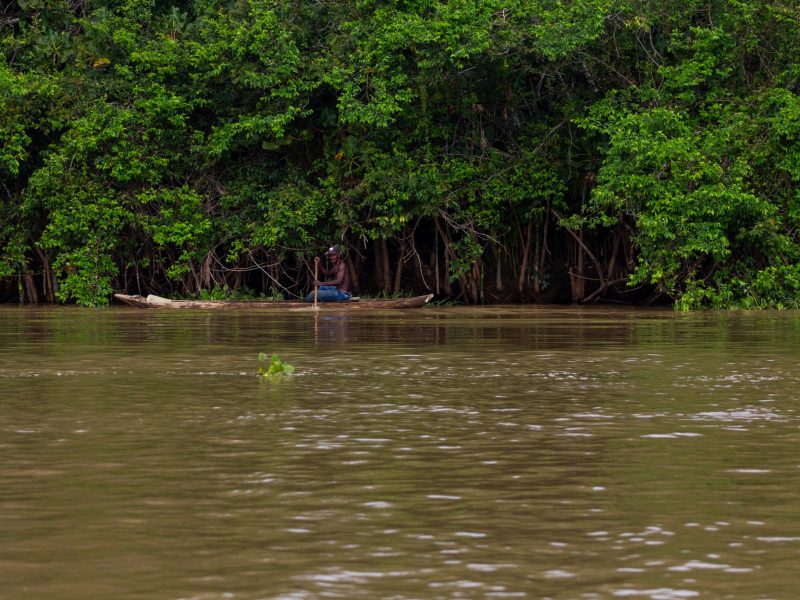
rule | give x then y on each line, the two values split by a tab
334	253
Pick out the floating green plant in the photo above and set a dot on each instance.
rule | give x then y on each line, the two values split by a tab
276	367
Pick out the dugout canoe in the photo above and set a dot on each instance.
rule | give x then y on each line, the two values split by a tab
152	301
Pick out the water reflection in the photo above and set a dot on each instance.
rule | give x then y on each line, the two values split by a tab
434	454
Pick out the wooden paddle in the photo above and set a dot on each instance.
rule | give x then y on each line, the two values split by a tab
316	278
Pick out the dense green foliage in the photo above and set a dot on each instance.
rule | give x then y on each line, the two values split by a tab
492	150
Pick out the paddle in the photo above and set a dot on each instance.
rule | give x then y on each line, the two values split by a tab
316	278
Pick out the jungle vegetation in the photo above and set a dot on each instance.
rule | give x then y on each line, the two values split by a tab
635	151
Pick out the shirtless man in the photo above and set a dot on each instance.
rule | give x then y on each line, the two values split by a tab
336	289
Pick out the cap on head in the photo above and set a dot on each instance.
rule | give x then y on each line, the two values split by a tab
334	250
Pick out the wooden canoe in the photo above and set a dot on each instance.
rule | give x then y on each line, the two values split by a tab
152	301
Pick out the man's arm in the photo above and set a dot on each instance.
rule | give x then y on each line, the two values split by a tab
321	266
338	278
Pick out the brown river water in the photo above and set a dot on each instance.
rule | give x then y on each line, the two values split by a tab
437	453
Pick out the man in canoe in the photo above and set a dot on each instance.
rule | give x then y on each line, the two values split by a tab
337	287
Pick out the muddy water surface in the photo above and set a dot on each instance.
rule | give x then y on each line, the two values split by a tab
437	453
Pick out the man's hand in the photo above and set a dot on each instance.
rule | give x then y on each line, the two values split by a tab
316	260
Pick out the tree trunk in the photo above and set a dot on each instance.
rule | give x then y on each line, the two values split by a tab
353	270
542	257
447	251
398	274
376	250
526	250
578	274
30	289
498	268
434	259
477	283
192	285
579	281
387	270
138	279
612	264
47	276
609	279
205	272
